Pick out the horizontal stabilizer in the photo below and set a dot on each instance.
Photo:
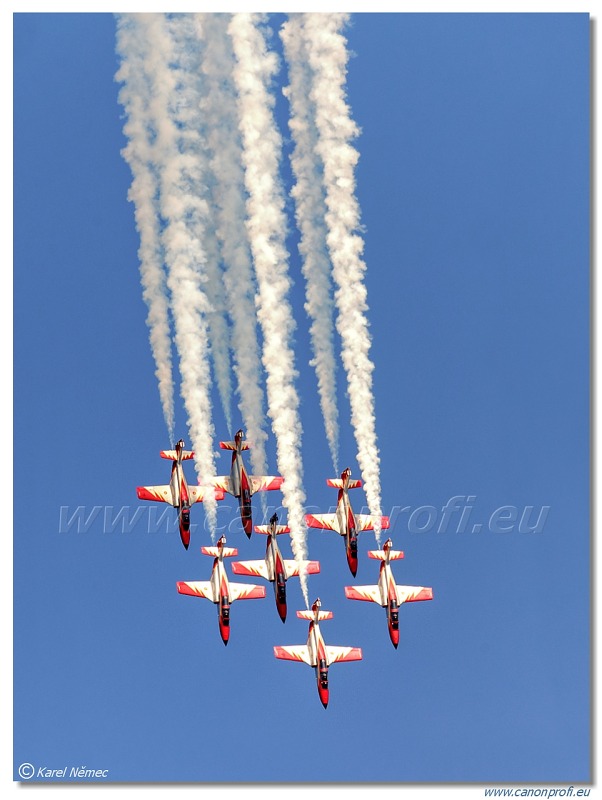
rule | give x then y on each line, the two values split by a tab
196	589
311	615
265	483
380	555
293	569
337	483
343	654
409	594
171	455
232	446
245	591
365	522
257	569
214	551
294	652
268	529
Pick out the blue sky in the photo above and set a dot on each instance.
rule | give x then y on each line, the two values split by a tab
474	187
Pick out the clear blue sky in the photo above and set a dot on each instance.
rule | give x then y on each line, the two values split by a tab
474	187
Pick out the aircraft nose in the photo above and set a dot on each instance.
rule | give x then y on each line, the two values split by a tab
225	632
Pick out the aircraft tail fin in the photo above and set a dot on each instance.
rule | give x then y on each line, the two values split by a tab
337	483
232	446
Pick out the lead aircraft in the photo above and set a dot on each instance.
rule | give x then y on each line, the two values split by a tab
219	589
177	492
344	521
274	568
386	593
242	485
316	653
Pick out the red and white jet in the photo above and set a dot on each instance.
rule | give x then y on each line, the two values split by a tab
386	593
219	590
316	653
274	568
344	521
177	492
242	485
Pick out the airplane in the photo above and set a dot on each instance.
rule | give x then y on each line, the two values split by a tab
344	521
386	593
316	653
240	484
274	568
218	589
177	492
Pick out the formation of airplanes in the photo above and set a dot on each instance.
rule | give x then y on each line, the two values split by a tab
274	567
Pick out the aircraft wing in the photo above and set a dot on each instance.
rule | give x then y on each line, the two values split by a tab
259	569
245	591
343	654
407	594
328	522
196	589
371	593
197	494
222	484
365	522
161	494
294	652
293	568
265	483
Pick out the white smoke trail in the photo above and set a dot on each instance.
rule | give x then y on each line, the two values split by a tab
186	30
266	224
185	216
327	56
139	154
228	192
310	214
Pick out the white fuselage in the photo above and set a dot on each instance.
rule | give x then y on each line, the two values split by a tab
315	643
236	472
219	580
386	584
273	559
